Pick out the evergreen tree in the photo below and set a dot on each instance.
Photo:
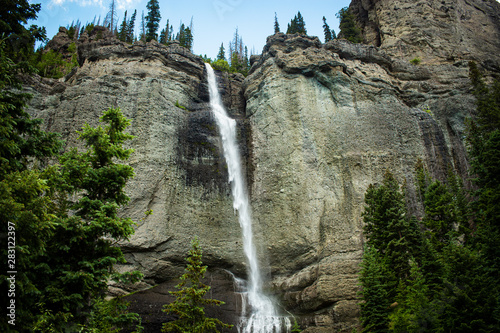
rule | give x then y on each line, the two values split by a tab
414	311
164	36
297	25
222	53
80	254
387	226
131	28
348	26
152	20
142	35
439	213
20	40
378	282
483	137
276	24
190	299
122	33
327	31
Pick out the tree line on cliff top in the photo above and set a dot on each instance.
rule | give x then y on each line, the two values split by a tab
51	63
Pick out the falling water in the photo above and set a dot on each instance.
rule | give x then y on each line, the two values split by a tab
259	314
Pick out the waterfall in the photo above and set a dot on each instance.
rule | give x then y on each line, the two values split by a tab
259	313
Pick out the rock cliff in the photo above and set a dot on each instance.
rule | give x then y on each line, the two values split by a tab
317	124
435	31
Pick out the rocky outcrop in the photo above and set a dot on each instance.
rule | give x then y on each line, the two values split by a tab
435	31
317	123
327	121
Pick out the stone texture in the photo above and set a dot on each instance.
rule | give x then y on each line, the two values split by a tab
435	31
328	120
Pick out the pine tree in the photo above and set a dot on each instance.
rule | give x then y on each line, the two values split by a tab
297	25
348	27
19	39
122	33
131	28
81	253
439	213
222	53
152	20
414	311
483	137
378	283
276	24
190	299
327	31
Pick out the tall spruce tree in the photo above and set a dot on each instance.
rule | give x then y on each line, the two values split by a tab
326	29
222	52
122	33
297	25
190	302
483	137
378	282
20	39
152	20
348	26
276	24
131	28
89	190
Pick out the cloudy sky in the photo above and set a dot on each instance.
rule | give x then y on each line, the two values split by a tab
214	21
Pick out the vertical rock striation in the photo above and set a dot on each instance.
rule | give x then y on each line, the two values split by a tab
435	31
327	121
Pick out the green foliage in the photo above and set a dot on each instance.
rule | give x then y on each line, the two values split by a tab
387	226
415	61
166	35
222	53
21	139
185	37
79	257
483	137
296	327
110	317
439	213
52	64
190	299
180	106
378	281
152	20
276	24
329	34
348	26
419	276
297	25
18	38
414	311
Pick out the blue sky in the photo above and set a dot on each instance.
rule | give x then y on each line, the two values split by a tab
214	21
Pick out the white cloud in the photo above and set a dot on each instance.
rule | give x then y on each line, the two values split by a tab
79	2
125	4
121	4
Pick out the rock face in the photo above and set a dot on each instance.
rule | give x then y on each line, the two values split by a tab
328	120
317	122
435	31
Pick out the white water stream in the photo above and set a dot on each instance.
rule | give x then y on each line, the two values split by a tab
258	311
